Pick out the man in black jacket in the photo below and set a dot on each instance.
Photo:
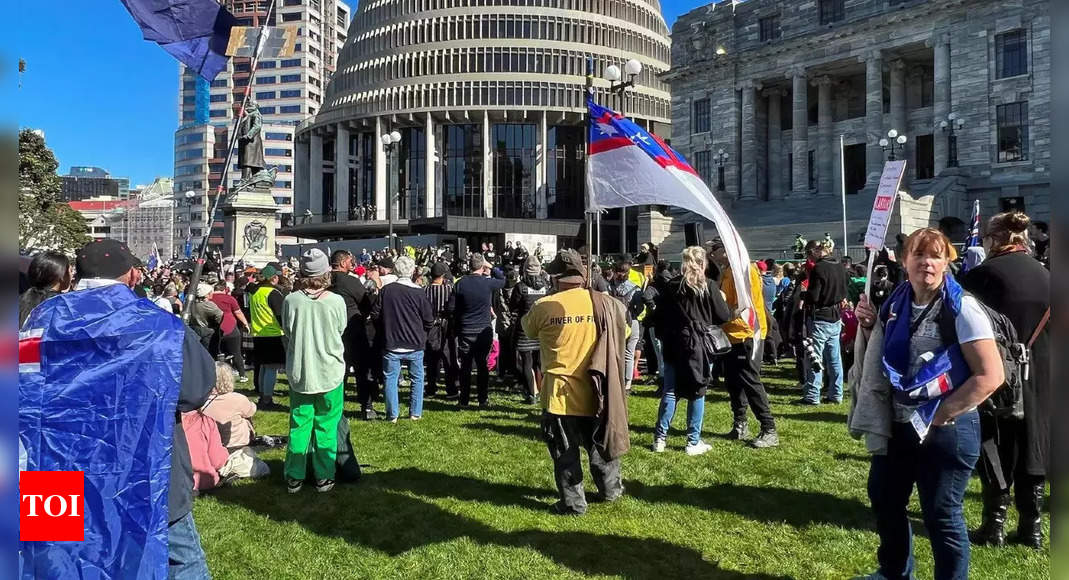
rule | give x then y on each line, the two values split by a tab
822	304
403	313
349	287
473	298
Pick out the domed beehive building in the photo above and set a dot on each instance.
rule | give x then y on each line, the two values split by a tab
484	101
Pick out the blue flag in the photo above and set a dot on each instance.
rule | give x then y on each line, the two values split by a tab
99	378
189	246
196	32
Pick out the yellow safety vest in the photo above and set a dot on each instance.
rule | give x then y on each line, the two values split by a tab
263	321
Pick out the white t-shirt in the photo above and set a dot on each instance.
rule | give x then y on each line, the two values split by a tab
972	324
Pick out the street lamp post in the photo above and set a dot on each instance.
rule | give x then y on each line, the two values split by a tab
390	142
953	122
894	142
618	87
721	158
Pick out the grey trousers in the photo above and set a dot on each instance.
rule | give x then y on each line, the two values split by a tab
629	353
565	436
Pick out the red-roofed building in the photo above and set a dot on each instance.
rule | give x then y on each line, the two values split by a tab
103	215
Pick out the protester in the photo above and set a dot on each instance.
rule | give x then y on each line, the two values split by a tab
1016	451
348	286
441	349
581	335
207	455
473	295
232	411
269	352
650	294
823	320
314	319
689	308
917	434
630	295
742	366
205	317
403	313
49	274
229	329
163	368
531	288
768	283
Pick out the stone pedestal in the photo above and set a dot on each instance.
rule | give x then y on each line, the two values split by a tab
248	211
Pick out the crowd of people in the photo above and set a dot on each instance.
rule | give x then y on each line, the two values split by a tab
918	338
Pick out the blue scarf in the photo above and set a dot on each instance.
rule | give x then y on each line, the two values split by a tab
944	371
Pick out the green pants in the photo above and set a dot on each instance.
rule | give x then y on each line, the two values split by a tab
319	413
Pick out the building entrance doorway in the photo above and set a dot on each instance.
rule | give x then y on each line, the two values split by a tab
854	160
925	157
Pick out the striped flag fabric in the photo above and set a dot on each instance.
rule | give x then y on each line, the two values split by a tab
627	166
974	226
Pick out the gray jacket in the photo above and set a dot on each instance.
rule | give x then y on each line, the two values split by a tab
871	412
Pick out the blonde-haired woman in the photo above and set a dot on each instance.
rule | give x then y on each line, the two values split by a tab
690	308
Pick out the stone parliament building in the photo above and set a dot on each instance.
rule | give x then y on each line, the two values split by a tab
762	91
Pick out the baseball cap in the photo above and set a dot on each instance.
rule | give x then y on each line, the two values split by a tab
268	272
105	258
385	262
569	266
439	269
204	289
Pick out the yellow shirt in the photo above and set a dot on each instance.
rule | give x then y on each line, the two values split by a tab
563	324
737	330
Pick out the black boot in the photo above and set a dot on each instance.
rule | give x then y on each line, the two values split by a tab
992	532
1029	499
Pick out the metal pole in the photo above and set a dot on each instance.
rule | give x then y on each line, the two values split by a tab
623	210
586	168
842	176
198	267
389	204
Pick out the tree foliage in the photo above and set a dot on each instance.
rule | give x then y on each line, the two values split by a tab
45	222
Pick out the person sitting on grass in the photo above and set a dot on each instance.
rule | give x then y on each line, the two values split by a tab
233	411
314	318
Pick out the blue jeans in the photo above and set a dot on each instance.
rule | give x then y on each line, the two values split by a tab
391	367
940	467
826	339
185	558
667	410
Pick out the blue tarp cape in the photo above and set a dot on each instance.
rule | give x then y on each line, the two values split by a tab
102	400
196	32
942	373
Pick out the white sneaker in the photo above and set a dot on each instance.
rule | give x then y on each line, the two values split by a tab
658	445
698	448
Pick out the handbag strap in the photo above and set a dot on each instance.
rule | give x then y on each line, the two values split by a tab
1039	328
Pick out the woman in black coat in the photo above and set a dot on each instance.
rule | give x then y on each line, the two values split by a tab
688	306
1014	283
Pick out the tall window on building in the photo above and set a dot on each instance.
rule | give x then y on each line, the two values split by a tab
413	170
1012	122
565	168
769	28
514	166
367	169
703	164
1011	54
831	11
463	170
700	116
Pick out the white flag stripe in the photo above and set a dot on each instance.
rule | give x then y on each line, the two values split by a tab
31	333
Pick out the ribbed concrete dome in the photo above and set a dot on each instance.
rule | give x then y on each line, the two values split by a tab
410	56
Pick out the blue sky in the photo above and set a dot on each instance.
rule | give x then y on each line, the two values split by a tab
102	95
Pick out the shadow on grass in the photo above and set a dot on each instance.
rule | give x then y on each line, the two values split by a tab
817	416
380	514
853	457
796	508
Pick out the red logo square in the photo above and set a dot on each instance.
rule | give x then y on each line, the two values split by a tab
883	203
51	506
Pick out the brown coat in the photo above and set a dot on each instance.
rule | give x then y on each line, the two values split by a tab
611	436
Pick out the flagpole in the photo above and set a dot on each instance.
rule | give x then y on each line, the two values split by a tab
198	267
589	94
842	178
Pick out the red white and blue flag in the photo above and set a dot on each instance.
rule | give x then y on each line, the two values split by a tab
629	166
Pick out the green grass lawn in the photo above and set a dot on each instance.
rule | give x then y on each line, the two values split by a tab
466	495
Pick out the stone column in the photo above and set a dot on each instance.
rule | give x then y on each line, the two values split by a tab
775	144
542	169
940	98
380	171
899	120
825	149
799	132
315	184
428	168
341	172
748	154
488	169
874	129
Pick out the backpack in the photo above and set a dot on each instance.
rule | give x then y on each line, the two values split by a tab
1008	399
